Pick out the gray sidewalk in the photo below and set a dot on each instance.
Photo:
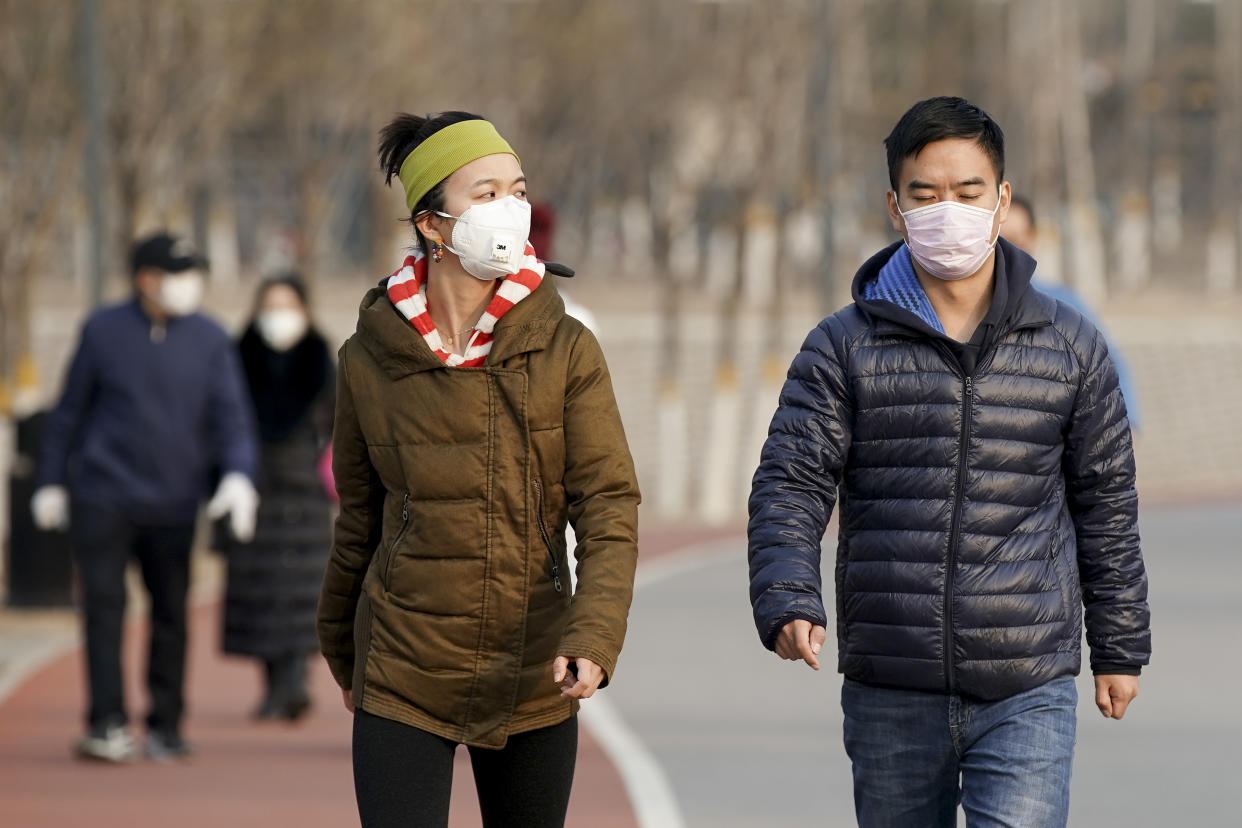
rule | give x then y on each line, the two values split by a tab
29	638
747	739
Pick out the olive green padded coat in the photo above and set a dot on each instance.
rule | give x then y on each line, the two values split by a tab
446	598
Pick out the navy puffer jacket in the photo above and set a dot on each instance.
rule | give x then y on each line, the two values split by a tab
979	513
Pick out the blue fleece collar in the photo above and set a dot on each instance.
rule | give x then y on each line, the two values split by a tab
897	283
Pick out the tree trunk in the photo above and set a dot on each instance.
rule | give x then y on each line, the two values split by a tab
1033	50
1223	239
1086	248
717	494
1132	233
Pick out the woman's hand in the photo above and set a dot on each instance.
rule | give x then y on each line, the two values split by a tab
349	705
582	681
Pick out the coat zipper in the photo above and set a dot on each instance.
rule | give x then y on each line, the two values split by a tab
968	387
955	528
543	533
392	548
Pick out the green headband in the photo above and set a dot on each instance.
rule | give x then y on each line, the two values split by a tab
445	152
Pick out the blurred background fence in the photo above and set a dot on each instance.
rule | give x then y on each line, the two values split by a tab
716	171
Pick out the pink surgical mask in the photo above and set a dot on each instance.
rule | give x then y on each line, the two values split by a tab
949	239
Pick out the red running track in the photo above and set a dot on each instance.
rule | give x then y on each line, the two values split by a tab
243	773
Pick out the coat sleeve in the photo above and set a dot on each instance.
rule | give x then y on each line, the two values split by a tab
231	415
1099	479
64	423
795	486
602	494
357	533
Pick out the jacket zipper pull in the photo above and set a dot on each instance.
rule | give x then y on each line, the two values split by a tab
405	507
970	389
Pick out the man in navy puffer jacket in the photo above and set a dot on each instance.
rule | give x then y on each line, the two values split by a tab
974	433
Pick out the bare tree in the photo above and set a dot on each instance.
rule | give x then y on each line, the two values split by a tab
1084	233
38	160
1225	233
1132	250
176	72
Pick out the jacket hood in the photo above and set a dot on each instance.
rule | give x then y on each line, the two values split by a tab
401	350
1013	304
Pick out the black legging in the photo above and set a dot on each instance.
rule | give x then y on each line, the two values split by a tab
403	775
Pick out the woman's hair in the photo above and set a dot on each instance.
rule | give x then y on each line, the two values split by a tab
290	279
399	138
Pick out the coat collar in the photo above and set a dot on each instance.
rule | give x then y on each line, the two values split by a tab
1020	306
401	351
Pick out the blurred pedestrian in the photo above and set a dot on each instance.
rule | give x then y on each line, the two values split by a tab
273	580
542	235
153	403
474	418
1020	229
976	436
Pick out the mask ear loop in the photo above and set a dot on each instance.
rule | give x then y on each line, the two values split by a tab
999	191
445	244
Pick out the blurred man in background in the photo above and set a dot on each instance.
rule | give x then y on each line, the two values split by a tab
1020	229
153	406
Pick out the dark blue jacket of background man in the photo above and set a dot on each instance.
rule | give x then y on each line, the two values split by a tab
149	416
986	496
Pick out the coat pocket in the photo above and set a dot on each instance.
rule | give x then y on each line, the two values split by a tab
392	547
1065	567
547	537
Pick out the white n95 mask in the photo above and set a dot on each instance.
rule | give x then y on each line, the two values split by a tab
490	238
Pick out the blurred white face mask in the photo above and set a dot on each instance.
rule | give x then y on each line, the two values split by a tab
490	238
949	239
282	328
181	294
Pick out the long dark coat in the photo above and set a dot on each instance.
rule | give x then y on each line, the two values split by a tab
273	582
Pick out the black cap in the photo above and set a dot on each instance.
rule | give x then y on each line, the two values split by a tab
165	252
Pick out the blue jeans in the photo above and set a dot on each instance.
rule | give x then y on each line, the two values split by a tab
917	755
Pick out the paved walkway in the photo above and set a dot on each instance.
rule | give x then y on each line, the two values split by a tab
243	773
748	740
732	735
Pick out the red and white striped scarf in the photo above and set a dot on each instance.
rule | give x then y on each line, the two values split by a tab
407	290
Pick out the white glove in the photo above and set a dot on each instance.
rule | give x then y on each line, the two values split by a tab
237	498
50	508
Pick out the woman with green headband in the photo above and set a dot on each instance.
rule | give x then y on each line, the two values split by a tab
475	419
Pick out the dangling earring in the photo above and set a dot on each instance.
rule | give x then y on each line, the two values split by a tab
437	252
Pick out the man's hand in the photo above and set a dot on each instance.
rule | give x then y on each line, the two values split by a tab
50	508
580	686
237	498
349	705
801	639
1114	693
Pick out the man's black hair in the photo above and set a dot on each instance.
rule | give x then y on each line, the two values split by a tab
936	119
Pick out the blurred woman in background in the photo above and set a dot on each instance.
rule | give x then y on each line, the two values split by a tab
273	581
